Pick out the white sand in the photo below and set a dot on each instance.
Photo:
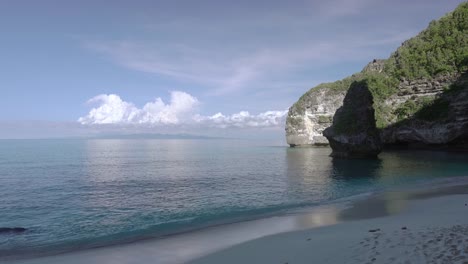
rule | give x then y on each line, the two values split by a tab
436	232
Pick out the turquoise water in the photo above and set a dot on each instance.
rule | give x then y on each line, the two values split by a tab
75	194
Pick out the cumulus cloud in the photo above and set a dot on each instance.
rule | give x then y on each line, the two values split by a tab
181	110
112	109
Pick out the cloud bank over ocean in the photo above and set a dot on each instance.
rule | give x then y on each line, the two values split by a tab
180	110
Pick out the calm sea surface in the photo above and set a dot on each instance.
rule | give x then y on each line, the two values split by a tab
74	194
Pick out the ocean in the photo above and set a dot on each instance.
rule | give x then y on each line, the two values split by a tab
74	194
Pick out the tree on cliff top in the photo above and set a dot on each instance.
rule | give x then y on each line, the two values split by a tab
440	49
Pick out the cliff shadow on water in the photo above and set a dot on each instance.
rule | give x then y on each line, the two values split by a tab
314	164
345	169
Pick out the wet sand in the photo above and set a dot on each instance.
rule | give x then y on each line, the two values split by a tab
429	226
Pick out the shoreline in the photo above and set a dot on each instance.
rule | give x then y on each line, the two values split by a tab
418	226
260	226
211	241
320	209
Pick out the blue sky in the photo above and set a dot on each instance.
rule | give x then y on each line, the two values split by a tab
206	67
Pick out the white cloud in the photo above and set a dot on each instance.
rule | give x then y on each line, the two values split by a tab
113	110
178	110
181	110
244	119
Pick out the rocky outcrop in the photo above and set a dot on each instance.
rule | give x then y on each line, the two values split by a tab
445	94
423	89
354	132
314	111
420	94
376	66
442	117
308	118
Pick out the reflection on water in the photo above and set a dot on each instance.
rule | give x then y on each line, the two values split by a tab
375	206
321	217
309	168
81	193
307	171
394	202
346	169
313	167
309	164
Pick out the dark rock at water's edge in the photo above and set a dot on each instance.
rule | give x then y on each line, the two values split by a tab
12	230
354	133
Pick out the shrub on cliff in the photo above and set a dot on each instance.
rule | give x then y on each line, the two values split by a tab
441	48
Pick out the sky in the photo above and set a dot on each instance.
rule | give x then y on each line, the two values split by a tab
219	68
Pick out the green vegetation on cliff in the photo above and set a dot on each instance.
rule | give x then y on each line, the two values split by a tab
381	87
332	87
434	110
440	49
424	108
408	87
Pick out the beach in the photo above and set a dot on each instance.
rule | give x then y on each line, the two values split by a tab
430	227
424	225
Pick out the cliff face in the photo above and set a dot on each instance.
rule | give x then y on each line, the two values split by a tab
354	133
420	92
311	115
314	111
436	112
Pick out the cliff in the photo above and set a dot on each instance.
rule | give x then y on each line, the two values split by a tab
420	93
314	111
308	118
